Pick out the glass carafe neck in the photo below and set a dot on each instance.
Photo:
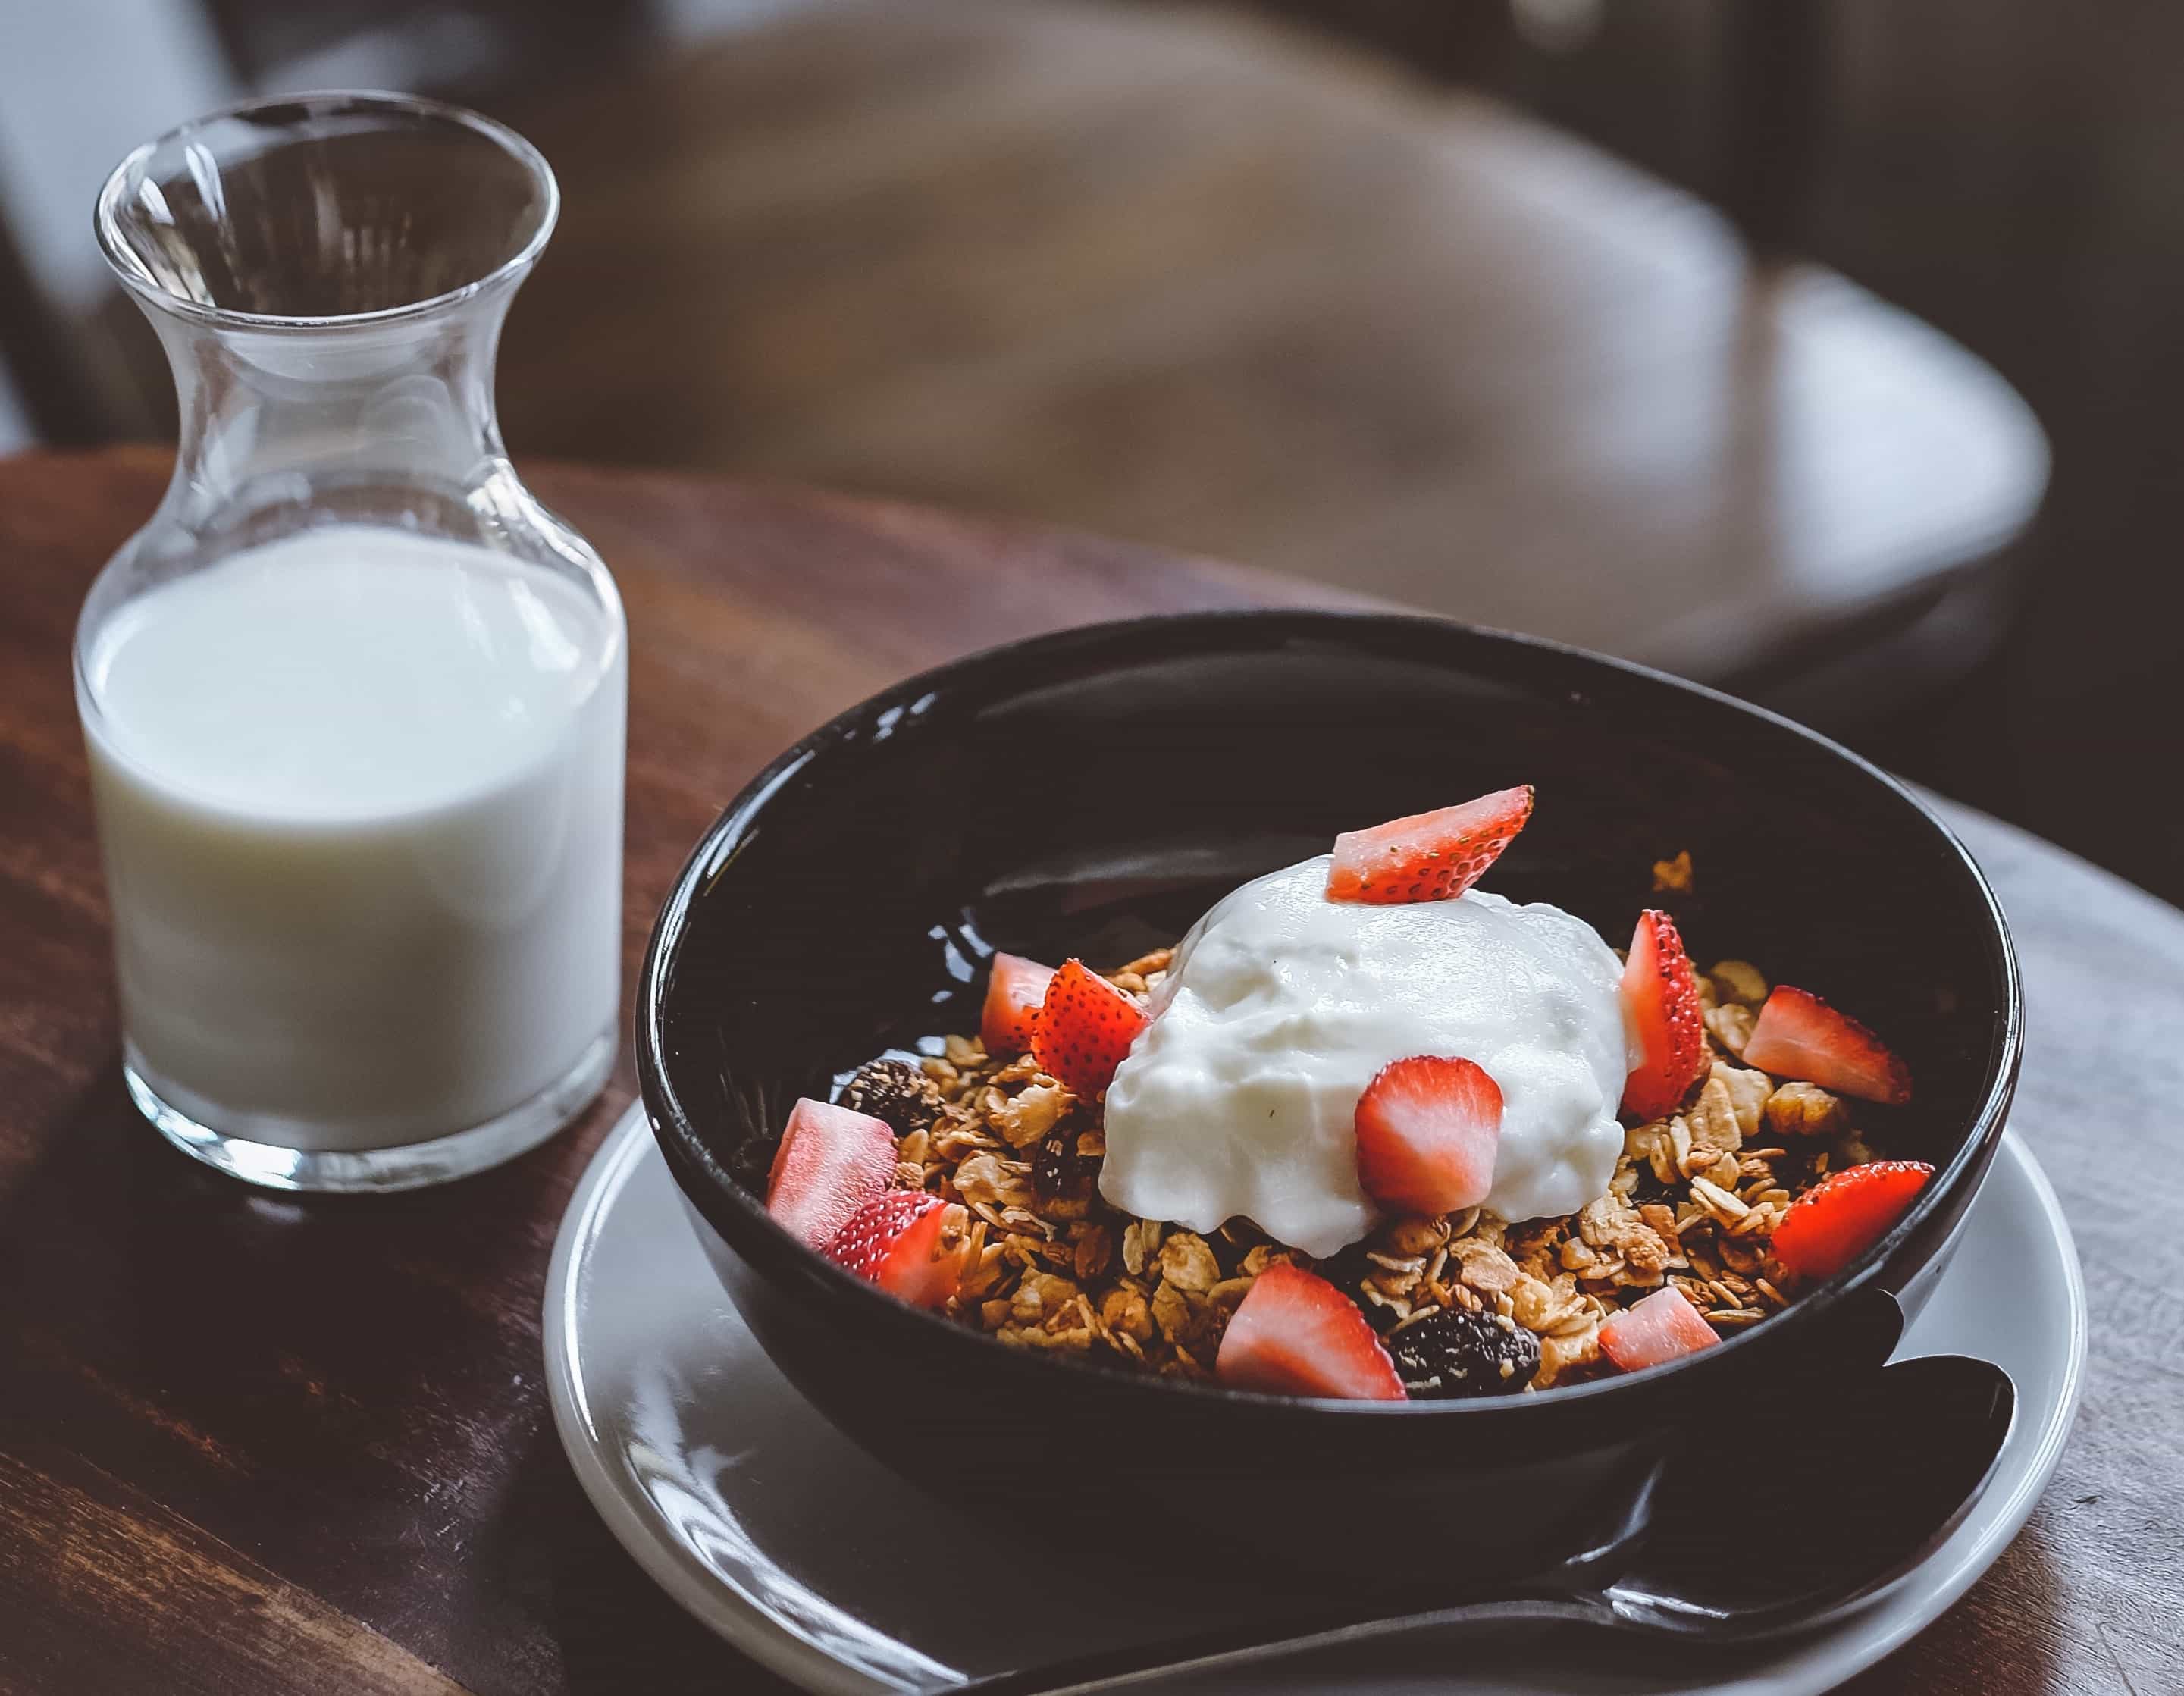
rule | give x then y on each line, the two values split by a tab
328	274
273	415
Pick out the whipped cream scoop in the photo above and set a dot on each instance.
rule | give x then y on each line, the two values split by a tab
1279	1007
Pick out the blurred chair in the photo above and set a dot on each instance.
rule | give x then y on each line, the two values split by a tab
1198	278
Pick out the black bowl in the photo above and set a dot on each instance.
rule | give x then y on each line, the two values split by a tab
1091	793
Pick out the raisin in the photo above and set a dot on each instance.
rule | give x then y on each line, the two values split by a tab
895	1093
1457	1352
1063	1177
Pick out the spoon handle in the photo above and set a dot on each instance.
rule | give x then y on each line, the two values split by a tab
1245	1644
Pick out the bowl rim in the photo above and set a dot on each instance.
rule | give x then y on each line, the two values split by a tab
770	1250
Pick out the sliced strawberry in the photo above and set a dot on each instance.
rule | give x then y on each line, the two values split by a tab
1085	1027
831	1162
1799	1035
1012	1002
1663	1326
1429	855
1428	1130
1013	995
1662	996
897	1240
1297	1335
1845	1214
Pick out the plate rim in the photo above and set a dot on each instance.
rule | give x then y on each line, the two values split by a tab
737	1620
1808	1667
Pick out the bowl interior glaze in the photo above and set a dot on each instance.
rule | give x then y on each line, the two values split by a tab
1092	793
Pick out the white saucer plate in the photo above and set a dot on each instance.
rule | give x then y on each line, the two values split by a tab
812	1558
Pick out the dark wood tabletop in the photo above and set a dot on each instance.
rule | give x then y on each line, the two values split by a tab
252	1443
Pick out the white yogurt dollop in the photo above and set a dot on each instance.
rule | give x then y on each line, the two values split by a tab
1281	1005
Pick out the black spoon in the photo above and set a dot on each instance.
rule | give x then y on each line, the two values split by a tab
1898	1457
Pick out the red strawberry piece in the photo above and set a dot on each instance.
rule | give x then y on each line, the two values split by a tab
831	1162
1429	855
1428	1130
896	1240
1663	996
1013	995
1085	1027
1845	1214
1799	1035
1296	1334
1663	1327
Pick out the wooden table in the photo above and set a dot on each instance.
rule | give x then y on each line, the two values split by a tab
250	1443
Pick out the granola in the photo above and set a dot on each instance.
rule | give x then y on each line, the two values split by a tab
1696	1197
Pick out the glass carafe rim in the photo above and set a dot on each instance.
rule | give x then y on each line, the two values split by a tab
127	177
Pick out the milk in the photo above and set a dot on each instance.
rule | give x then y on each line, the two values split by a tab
359	797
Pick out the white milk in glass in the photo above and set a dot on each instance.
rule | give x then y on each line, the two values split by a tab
360	796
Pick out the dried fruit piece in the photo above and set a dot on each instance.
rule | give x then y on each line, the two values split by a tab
900	1241
1799	1035
895	1093
1429	855
1663	1327
1663	996
1428	1128
1062	1176
831	1162
1831	1224
1014	990
1297	1335
1453	1351
1085	1027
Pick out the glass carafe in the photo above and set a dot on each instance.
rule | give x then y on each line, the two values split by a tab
353	700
